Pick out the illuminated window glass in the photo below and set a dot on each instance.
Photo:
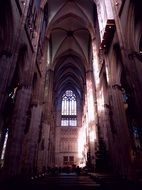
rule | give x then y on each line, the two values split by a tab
2	156
68	160
68	121
68	111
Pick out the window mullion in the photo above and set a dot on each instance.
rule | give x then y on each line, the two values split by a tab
68	109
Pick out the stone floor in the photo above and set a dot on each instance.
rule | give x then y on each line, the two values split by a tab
70	182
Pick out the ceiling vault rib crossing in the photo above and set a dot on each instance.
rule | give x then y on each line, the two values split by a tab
70	28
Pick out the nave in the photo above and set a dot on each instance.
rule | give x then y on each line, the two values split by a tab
72	181
70	91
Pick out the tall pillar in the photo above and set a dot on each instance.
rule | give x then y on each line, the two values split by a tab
92	117
50	119
129	68
45	156
122	132
16	131
30	143
5	62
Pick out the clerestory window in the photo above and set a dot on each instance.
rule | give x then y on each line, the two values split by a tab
69	109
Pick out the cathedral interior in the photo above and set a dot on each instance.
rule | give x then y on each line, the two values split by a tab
71	87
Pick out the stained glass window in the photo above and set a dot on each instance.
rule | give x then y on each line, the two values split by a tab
68	111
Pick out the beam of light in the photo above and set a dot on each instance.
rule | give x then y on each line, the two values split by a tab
90	102
96	69
4	147
82	152
107	74
100	101
92	135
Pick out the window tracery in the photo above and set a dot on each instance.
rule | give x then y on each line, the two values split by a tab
68	110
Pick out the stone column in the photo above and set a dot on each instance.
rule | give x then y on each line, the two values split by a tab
16	132
122	132
5	63
44	156
92	117
51	119
136	82
30	145
128	64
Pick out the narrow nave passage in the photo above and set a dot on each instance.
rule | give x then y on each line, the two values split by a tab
72	182
65	182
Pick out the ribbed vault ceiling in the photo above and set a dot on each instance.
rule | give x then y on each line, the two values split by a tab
70	29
